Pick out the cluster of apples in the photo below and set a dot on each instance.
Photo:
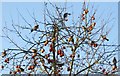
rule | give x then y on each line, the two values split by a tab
46	42
72	55
31	67
19	68
50	61
51	48
83	17
60	52
85	11
57	72
93	43
89	28
104	72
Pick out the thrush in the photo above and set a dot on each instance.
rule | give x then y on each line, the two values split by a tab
65	16
70	39
4	53
22	70
104	37
34	50
114	61
83	28
35	28
114	67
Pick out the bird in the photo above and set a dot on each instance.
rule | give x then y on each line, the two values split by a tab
34	50
4	53
114	61
114	67
65	16
104	37
83	28
93	43
22	70
70	39
35	28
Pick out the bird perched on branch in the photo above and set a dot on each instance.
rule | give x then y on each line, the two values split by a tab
65	16
71	39
114	63
114	60
104	37
22	70
4	53
84	28
35	28
34	50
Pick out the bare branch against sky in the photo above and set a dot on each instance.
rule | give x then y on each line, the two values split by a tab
59	38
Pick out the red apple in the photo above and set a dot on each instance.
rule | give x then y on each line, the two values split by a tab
62	54
51	45
103	70
51	49
18	66
42	50
63	47
7	60
1	66
68	69
59	52
93	18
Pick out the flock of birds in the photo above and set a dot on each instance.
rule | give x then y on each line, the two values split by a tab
65	18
